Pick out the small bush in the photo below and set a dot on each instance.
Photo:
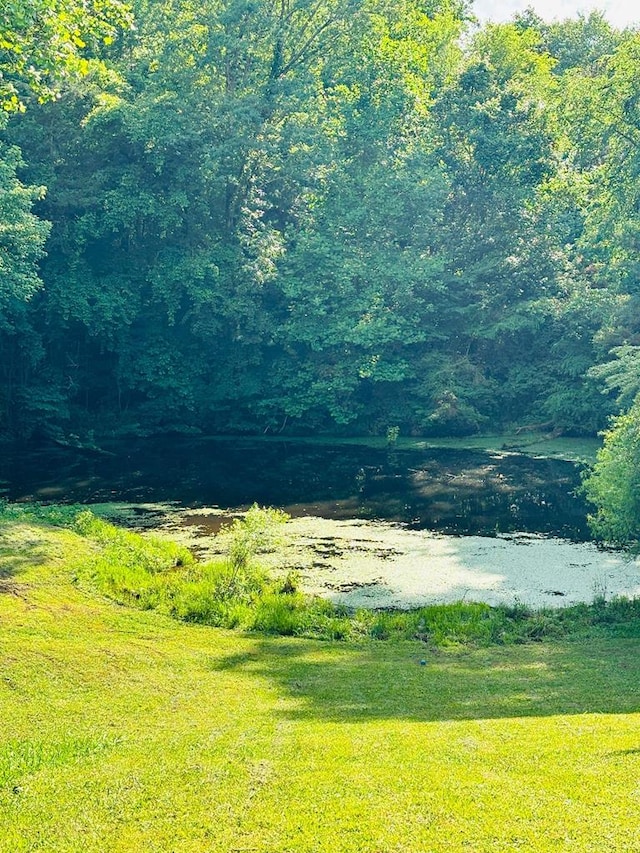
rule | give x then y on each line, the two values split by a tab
198	602
384	624
258	531
540	626
152	573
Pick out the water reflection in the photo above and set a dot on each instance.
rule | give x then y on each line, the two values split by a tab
457	491
370	527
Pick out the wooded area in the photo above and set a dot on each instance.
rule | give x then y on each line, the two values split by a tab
310	215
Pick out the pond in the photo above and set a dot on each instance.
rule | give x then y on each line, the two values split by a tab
452	491
370	527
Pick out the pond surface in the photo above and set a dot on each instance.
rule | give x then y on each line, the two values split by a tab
370	527
453	491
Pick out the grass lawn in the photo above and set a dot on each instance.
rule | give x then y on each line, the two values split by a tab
124	730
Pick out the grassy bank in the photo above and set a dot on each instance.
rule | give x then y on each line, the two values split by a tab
233	591
128	730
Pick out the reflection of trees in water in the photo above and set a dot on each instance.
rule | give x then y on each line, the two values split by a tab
474	493
452	490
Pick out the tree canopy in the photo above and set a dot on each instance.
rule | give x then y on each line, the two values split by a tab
44	41
305	215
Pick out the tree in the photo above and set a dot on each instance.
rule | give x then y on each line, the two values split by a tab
185	204
613	484
360	276
496	143
42	41
22	234
329	215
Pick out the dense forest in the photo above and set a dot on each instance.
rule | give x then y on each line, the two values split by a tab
274	216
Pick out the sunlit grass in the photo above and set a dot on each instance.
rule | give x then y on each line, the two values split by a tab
125	730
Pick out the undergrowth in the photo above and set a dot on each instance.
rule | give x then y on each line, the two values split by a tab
233	591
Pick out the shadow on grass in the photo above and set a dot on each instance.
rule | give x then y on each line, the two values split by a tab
349	683
13	565
14	561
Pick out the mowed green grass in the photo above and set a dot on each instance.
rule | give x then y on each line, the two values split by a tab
123	730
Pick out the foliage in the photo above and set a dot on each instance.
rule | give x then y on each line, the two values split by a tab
613	484
22	235
316	217
43	40
621	374
258	531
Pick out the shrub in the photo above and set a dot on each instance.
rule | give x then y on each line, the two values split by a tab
148	572
613	484
258	531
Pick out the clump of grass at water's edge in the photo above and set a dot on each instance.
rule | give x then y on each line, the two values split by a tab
150	573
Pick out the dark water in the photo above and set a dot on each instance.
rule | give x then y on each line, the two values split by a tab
456	491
